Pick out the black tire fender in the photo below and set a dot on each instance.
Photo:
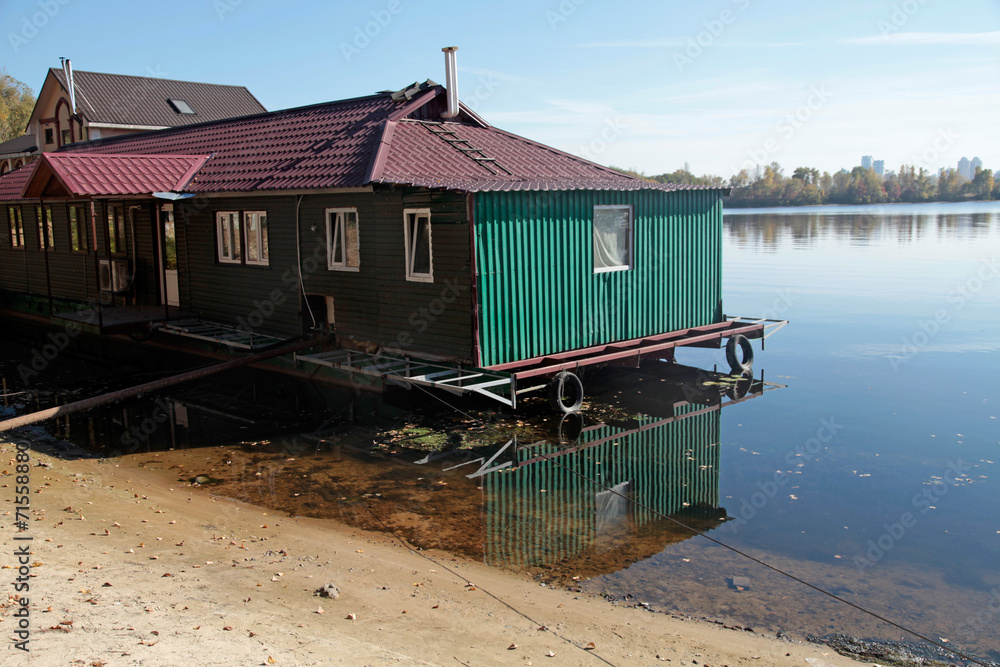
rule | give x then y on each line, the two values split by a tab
736	363
562	385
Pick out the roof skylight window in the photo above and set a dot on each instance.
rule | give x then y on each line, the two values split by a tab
181	106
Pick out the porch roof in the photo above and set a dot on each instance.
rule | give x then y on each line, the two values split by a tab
97	175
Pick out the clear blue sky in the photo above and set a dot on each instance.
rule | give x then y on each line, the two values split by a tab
645	85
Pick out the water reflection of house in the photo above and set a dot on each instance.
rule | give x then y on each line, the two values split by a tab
595	507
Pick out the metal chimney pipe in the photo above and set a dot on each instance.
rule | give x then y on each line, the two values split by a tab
68	71
451	80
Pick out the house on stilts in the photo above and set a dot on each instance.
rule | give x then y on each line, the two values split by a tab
437	249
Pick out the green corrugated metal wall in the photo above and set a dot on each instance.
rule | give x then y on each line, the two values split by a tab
538	292
668	465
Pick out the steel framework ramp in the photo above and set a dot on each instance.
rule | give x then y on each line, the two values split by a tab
408	372
222	334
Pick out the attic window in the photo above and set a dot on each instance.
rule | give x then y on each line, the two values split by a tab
181	106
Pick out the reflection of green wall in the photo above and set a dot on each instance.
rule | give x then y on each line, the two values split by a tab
668	465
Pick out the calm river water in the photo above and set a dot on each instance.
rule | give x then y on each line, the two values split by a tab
874	474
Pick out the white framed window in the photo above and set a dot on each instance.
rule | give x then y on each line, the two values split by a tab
612	238
229	240
255	225
342	240
419	255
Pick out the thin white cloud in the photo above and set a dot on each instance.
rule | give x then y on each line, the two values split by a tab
637	44
931	38
682	42
496	74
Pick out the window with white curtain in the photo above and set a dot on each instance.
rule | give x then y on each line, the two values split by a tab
612	238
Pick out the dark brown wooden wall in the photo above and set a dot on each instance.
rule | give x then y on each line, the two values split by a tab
374	305
377	304
73	275
239	295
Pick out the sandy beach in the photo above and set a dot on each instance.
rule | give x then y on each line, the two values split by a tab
133	567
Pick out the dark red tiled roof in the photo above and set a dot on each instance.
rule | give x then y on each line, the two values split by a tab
12	183
357	142
465	157
141	100
109	175
322	146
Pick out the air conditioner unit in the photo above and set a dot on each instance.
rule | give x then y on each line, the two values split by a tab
114	275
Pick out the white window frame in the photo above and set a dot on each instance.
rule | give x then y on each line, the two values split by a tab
336	229
408	246
631	237
224	230
263	245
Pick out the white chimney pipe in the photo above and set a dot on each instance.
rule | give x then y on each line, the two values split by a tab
451	80
68	71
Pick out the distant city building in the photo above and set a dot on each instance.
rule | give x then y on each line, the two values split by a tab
866	161
965	168
879	167
975	164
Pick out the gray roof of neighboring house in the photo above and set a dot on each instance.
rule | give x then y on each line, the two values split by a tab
138	100
18	145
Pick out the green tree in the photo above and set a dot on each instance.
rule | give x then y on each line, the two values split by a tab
950	185
807	175
982	184
16	103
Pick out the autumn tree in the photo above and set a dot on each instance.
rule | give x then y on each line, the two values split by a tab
16	103
982	184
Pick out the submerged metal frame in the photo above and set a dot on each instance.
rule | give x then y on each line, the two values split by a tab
759	388
408	372
213	332
500	382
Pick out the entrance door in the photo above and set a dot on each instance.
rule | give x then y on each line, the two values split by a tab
171	291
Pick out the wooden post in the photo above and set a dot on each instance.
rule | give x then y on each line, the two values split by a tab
89	403
97	266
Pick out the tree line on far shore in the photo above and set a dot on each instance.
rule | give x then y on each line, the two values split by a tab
769	186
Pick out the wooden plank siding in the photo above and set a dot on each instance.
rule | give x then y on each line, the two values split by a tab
376	304
238	294
72	275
